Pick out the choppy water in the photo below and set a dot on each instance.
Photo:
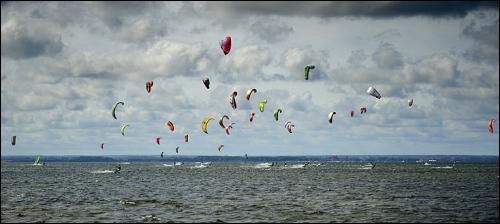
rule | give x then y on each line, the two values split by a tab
333	192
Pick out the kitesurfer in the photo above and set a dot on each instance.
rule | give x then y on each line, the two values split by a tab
118	169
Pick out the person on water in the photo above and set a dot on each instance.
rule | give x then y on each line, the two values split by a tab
118	168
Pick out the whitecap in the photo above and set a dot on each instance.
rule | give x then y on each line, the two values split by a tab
102	171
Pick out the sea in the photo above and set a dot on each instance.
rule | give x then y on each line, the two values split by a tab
251	190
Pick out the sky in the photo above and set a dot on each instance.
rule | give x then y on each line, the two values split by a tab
64	65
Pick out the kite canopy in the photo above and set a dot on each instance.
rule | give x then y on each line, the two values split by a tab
37	160
228	128
149	85
220	147
262	104
251	116
490	125
352	113
122	129
306	71
410	102
102	146
276	114
232	99
289	125
170	125
206	82
186	138
249	92
330	116
13	142
373	92
114	109
158	140
362	110
204	124
221	121
225	45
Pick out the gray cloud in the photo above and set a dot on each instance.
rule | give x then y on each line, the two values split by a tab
115	14
480	77
271	30
485	39
76	105
353	9
141	30
136	22
387	34
387	57
28	39
61	14
357	58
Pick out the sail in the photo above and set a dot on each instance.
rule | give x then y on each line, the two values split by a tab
37	160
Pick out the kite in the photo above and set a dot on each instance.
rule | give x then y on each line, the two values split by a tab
232	99
330	116
149	85
204	124
114	108
490	125
249	92
276	114
206	81
122	129
373	92
221	121
262	104
251	116
225	45
170	125
306	71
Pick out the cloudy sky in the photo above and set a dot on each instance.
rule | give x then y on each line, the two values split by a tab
65	64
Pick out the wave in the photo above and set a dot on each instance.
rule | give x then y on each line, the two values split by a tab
297	166
443	167
103	171
199	166
264	165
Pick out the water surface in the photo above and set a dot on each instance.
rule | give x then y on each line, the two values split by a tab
240	192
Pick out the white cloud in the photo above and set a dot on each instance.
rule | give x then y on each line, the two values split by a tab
295	59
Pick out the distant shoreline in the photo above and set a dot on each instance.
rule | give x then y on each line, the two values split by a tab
321	158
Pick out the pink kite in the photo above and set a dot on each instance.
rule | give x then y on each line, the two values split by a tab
225	45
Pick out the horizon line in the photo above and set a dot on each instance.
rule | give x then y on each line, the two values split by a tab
275	155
